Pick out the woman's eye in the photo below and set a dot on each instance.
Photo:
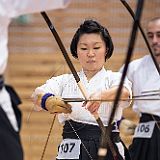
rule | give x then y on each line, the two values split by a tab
83	48
96	47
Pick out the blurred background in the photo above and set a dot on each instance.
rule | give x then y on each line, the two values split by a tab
34	57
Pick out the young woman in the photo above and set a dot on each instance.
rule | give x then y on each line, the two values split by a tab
92	46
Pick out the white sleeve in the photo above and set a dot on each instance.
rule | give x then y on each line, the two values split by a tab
129	71
133	66
14	8
3	43
115	81
53	85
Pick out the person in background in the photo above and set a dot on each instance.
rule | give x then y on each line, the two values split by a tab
92	46
146	80
10	115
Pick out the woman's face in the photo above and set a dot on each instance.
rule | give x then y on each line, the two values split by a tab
91	51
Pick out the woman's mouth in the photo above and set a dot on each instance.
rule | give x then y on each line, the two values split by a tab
91	61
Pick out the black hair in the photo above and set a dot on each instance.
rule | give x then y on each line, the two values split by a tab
91	26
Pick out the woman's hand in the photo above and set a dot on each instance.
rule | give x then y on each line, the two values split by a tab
93	106
55	104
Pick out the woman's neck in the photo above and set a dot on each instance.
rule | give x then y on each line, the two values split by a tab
89	74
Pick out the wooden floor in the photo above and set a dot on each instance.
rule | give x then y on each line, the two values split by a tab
27	71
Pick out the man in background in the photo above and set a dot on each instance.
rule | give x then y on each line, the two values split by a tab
146	80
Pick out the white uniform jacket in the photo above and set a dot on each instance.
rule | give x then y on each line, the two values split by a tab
66	87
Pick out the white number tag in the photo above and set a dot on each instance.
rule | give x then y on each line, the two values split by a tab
69	149
144	130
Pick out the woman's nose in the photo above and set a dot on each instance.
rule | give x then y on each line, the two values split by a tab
91	53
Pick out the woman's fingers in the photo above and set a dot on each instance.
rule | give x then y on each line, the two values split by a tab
92	106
